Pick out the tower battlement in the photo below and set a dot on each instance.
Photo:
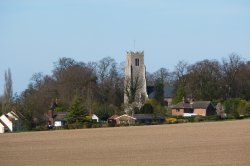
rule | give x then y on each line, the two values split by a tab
135	53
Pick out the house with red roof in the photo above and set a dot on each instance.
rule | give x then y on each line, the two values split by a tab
203	108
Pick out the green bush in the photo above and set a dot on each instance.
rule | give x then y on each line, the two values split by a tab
73	126
122	124
87	119
87	124
96	125
190	119
177	117
213	118
182	120
230	116
111	124
40	128
146	109
247	116
248	108
155	123
199	118
236	114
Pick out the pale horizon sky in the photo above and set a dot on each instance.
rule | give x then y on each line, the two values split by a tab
34	34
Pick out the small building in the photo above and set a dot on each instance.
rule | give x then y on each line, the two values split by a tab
9	122
112	120
203	108
3	127
54	118
95	118
123	119
60	119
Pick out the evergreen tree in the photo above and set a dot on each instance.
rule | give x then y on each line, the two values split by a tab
146	109
180	93
77	112
159	91
8	92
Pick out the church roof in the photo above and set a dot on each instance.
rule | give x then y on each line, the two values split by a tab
168	91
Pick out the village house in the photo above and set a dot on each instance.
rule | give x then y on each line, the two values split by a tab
112	120
123	119
10	122
186	109
137	118
60	119
54	118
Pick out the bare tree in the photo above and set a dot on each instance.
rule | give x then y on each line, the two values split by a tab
203	80
110	81
161	74
161	79
230	69
243	81
105	68
181	71
180	81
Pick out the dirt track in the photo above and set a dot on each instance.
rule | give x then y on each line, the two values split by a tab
214	143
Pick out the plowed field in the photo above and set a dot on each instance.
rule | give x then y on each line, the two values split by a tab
194	144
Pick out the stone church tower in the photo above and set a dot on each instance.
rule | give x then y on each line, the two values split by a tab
135	78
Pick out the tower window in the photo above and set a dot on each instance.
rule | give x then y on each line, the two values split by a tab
137	62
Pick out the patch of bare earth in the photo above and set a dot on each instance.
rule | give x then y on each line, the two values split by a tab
194	144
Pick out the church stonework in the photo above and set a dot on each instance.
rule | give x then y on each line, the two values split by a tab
135	76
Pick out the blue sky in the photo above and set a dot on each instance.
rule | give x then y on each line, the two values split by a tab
35	33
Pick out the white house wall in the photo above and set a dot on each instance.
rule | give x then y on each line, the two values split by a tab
94	117
7	122
1	128
58	124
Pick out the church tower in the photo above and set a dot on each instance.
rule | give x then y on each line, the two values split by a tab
135	79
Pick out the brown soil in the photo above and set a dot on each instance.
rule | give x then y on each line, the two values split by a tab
194	144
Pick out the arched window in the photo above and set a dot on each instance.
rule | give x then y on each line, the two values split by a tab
137	62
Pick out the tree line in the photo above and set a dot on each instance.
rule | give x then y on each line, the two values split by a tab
99	86
213	80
